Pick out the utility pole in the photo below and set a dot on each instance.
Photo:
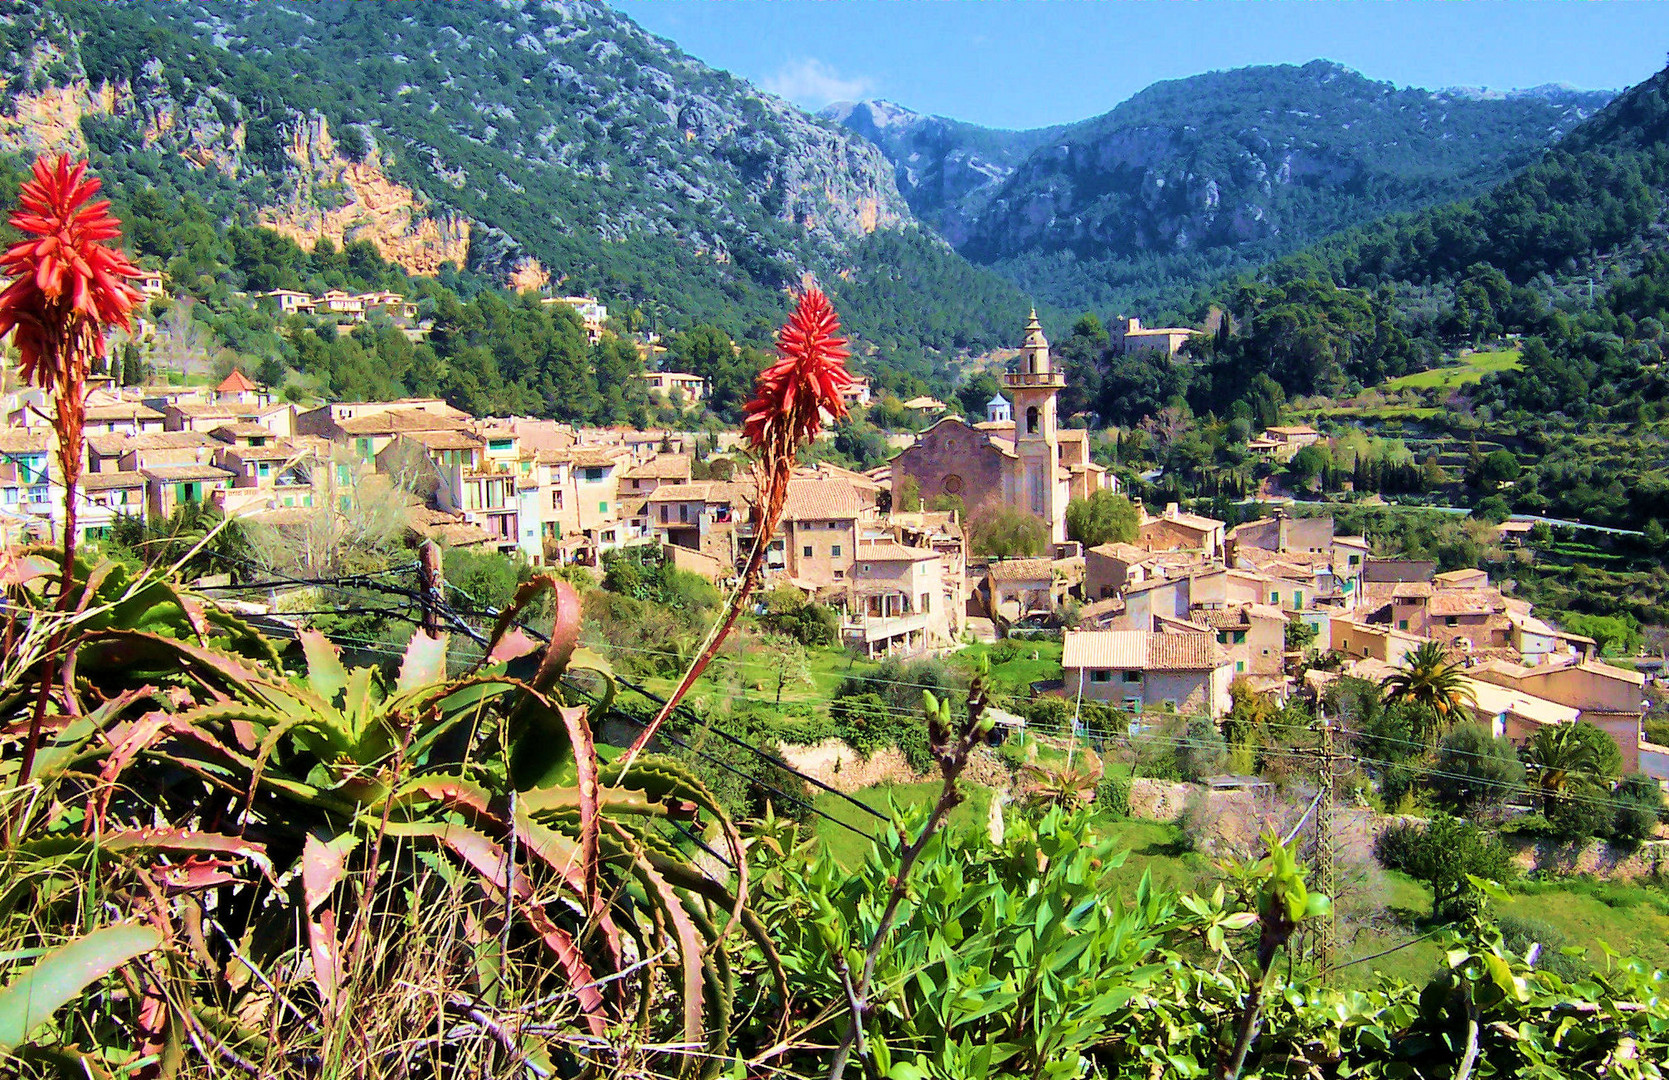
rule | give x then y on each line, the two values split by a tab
1326	879
431	586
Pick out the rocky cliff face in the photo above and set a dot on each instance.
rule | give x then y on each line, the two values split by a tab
947	170
427	129
1205	174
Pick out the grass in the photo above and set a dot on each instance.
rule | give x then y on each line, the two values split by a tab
1017	674
1389	914
1470	369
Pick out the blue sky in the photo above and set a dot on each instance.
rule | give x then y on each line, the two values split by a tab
1027	63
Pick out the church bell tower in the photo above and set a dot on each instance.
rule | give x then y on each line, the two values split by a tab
1033	386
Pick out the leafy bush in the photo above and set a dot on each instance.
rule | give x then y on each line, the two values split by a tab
1475	770
1202	751
1112	794
1637	808
1441	853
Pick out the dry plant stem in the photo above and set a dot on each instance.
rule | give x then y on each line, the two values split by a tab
951	763
1470	1057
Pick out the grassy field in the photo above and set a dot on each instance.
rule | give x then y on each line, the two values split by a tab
1470	369
1383	913
1033	661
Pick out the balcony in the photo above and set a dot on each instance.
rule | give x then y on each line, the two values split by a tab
873	628
1046	379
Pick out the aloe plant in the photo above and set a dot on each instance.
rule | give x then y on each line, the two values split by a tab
288	827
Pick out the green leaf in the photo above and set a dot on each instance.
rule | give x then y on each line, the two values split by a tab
59	977
325	673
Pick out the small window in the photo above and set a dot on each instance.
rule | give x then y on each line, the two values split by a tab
1402	624
1451	620
608	537
498	444
1355	560
1240	665
1240	637
602	507
834	552
805	552
1100	675
666	514
556	500
1274	598
1132	676
684	513
593	475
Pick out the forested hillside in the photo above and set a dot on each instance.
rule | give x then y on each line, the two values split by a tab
527	145
1193	179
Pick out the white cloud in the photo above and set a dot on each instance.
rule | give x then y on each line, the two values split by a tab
811	83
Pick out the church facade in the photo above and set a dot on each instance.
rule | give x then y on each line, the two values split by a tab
1019	457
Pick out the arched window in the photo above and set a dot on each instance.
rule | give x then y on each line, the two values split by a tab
1031	420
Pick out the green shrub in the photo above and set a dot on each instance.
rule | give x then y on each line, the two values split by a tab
1202	751
1112	794
1442	852
1636	808
1475	770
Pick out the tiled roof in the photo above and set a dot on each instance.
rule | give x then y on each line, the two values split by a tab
444	440
107	481
1411	590
822	500
1022	570
121	410
597	457
1224	618
671	493
241	430
236	382
662	467
272	451
1127	553
177	473
1465	602
201	410
112	445
1141	650
892	553
26	441
399	420
1183	652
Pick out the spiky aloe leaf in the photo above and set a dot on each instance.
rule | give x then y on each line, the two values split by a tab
60	976
325	673
424	663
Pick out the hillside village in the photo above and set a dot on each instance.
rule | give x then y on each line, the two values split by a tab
525	555
1162	624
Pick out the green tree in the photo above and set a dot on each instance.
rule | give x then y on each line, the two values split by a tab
1428	678
1442	852
1475	770
1009	533
1572	761
1106	517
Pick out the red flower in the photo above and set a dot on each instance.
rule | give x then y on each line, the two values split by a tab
68	285
791	395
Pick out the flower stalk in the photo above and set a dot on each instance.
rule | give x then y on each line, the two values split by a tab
786	411
68	288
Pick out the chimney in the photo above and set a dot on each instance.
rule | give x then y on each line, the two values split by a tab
1171	510
1283	528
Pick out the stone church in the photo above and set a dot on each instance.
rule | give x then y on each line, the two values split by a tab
1019	457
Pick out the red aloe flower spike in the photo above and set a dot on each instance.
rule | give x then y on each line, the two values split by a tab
791	395
68	287
789	400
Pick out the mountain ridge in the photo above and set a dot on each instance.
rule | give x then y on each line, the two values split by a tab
1190	179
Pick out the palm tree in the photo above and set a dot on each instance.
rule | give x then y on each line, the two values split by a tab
1428	678
1565	762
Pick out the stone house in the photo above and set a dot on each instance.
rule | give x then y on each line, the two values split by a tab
895	601
1138	670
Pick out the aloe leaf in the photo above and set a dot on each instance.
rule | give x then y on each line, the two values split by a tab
325	673
424	663
60	976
